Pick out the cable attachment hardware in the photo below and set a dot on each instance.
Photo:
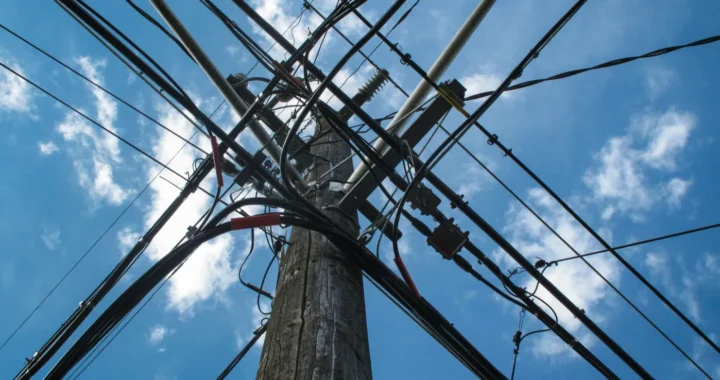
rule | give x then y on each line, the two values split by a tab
448	239
374	84
492	140
422	198
278	244
461	196
191	230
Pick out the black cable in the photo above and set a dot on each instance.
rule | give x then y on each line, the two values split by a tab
196	226
641	242
150	19
255	50
614	62
569	246
472	120
399	21
320	89
91	120
82	257
79	74
142	52
370	61
183	251
534	52
256	336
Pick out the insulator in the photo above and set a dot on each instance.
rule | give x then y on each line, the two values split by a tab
374	84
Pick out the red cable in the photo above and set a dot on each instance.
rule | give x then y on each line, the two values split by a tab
216	161
406	275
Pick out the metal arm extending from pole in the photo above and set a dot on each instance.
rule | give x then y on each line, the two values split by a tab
423	88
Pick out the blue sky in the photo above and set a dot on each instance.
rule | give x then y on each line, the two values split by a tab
632	148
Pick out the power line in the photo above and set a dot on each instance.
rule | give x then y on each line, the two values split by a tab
121	100
614	62
88	118
367	58
569	246
82	257
637	243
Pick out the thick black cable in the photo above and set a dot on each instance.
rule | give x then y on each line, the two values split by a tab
196	226
82	257
211	224
321	88
472	120
367	58
569	246
614	62
152	20
478	364
105	37
142	52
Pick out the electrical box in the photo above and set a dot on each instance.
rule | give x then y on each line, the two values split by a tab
448	239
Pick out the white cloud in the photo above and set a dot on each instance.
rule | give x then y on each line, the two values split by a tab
658	264
95	173
282	16
574	278
47	148
14	92
127	239
476	178
667	135
209	272
157	334
101	185
658	80
51	238
620	180
676	189
484	80
105	106
232	50
682	283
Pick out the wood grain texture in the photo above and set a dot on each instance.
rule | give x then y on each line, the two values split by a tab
318	328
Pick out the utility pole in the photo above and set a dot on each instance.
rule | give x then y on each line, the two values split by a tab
318	328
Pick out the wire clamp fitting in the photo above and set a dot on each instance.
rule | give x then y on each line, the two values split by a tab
492	140
191	230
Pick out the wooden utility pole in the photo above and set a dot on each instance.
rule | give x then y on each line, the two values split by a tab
318	328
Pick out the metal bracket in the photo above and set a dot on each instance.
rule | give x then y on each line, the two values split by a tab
448	239
423	199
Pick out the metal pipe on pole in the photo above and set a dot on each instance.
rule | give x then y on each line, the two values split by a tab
222	85
423	88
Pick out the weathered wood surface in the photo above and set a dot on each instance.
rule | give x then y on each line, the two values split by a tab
318	327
